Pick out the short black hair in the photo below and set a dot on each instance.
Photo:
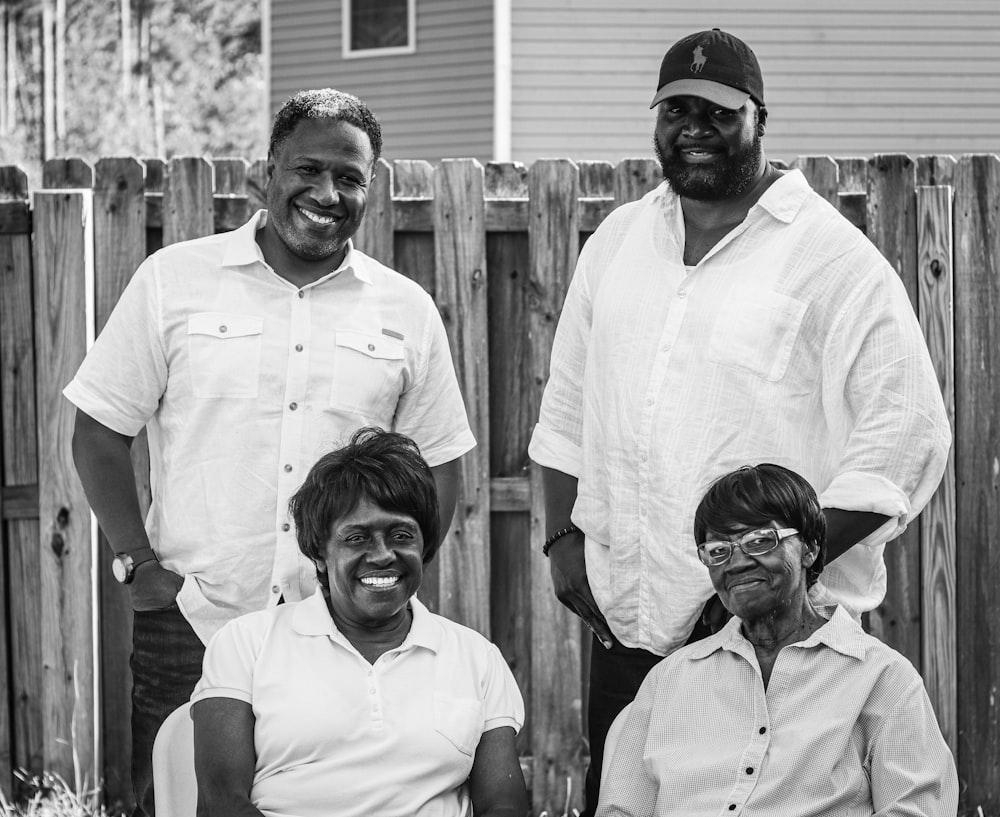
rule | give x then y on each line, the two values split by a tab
381	466
756	495
324	103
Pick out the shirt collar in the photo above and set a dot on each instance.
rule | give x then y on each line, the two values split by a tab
782	200
841	633
242	249
311	617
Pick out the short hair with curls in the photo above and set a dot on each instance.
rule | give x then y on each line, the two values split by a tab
758	494
324	103
382	467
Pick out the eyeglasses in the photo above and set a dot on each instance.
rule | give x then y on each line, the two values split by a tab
754	543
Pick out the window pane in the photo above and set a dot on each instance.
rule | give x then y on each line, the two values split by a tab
379	24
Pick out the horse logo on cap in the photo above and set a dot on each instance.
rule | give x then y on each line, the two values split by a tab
699	60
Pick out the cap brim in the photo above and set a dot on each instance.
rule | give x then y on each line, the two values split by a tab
724	95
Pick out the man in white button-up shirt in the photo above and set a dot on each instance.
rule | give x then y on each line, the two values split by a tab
730	316
250	354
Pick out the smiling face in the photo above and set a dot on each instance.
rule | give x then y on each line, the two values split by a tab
317	191
373	560
707	152
771	585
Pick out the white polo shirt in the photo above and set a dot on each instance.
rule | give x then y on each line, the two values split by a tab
335	734
245	380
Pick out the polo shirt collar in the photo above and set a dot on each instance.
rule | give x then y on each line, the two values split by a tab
242	249
841	633
311	617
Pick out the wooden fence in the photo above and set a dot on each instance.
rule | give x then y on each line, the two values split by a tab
490	244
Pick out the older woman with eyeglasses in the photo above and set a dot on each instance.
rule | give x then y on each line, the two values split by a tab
789	710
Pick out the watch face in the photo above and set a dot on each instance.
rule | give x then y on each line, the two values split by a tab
119	568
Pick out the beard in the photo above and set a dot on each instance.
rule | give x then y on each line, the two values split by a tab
726	178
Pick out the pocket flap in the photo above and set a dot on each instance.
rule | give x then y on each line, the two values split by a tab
461	720
224	324
378	346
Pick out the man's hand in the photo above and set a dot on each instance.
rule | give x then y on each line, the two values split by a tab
153	587
569	580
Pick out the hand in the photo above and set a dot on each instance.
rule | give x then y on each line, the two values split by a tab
714	614
569	580
153	587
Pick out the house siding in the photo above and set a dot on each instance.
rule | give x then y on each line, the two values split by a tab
432	104
856	79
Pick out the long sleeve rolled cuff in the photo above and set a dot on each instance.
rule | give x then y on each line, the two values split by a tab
552	450
858	491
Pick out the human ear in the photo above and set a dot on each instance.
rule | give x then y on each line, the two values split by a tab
809	554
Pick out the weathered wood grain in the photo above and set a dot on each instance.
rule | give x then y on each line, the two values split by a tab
257	185
71	172
556	699
460	265
937	525
822	174
412	177
852	172
376	235
936	170
977	476
506	180
119	248
63	259
597	179
892	228
413	249
634	178
231	204
188	206
20	470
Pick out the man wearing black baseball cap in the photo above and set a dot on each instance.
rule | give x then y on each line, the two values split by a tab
730	316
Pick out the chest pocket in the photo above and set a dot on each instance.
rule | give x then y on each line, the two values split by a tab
367	374
224	353
756	331
460	720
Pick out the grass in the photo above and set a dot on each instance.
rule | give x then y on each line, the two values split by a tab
51	796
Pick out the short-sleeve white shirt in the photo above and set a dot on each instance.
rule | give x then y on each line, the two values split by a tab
334	734
245	380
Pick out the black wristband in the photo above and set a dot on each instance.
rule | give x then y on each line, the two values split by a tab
555	537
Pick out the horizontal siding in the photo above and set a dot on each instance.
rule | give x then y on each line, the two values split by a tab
433	104
917	77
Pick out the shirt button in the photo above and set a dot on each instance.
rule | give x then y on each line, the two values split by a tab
643	457
286	526
223	328
275	589
682	293
298	347
302	294
666	347
763	729
288	468
371	347
293	406
749	769
732	806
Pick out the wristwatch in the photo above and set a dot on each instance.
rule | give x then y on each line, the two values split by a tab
124	564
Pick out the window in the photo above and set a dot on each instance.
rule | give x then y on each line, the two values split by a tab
377	27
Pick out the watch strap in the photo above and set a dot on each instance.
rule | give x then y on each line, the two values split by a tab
139	556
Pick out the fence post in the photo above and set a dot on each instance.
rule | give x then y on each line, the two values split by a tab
977	475
63	263
119	247
634	178
20	480
937	528
556	700
376	234
892	228
460	268
822	174
188	204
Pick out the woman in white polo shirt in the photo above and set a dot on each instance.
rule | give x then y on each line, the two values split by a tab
358	700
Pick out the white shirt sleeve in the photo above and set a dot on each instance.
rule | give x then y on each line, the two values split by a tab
432	411
124	375
228	668
502	702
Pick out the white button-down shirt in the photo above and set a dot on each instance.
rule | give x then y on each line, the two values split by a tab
792	341
245	381
334	734
844	729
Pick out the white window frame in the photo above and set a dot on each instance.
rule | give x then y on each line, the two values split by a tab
411	35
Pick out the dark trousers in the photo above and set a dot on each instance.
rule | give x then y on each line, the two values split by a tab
166	664
615	678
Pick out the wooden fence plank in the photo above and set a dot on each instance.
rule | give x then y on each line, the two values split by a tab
257	185
892	227
597	179
460	265
511	422
937	527
155	178
188	206
634	178
936	170
231	203
67	173
556	699
412	177
822	174
414	250
376	235
977	476
119	248
20	469
852	174
63	259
